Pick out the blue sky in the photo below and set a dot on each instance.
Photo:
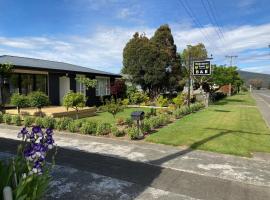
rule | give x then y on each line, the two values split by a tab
93	33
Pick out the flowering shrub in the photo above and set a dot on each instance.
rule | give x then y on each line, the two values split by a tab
27	174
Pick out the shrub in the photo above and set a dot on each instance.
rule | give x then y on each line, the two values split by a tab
28	121
49	122
89	127
74	100
19	100
153	112
161	101
38	99
7	118
125	102
74	126
120	121
62	123
103	128
163	119
129	122
117	132
179	100
245	89
113	106
1	117
138	97
146	127
133	132
217	96
16	119
171	108
39	121
154	122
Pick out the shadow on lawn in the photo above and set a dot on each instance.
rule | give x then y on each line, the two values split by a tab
226	101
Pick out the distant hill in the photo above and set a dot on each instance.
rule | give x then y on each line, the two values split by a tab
246	76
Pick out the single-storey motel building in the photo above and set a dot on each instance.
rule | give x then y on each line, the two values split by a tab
55	79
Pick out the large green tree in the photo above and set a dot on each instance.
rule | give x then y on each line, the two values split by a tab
223	75
146	61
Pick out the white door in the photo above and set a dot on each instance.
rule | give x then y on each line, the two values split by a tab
64	87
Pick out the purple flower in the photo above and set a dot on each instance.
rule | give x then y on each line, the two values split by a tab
23	132
35	151
49	131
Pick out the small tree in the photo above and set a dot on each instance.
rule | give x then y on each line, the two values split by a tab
20	101
89	83
39	100
113	106
179	100
74	100
118	88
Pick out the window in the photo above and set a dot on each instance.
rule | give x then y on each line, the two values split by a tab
103	86
41	83
79	86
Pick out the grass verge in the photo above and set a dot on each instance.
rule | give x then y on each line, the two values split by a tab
232	126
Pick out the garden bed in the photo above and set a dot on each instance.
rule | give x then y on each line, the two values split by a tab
104	124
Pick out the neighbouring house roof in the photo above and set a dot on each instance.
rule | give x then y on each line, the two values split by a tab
47	64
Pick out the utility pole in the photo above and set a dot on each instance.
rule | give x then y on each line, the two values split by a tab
189	77
231	57
231	61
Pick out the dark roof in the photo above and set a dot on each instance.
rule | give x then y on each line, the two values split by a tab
47	64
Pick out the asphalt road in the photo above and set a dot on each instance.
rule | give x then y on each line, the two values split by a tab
262	98
145	175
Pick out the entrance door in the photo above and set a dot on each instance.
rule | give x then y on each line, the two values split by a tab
64	87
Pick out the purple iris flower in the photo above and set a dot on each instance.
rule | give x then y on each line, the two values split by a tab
37	147
23	132
49	131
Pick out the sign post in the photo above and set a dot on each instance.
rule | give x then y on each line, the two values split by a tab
201	68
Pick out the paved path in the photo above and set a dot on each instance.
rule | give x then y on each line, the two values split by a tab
158	168
262	98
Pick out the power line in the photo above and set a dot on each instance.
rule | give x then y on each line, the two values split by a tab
211	18
195	20
214	14
191	14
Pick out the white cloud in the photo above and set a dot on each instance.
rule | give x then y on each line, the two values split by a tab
103	49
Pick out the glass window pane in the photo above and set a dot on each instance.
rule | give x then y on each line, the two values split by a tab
27	83
41	83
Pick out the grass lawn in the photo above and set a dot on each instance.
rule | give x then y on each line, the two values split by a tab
107	117
232	126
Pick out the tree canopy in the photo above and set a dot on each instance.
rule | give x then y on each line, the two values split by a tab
146	60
